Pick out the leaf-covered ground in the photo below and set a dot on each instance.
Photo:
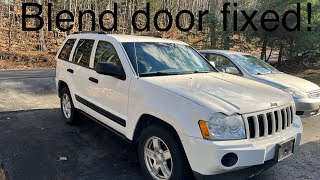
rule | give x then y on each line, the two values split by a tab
27	60
2	175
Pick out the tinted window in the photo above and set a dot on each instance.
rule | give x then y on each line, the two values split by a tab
66	50
220	62
107	53
83	52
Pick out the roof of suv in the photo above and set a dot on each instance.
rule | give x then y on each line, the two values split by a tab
132	38
222	52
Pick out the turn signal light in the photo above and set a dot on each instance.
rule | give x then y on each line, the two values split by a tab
204	129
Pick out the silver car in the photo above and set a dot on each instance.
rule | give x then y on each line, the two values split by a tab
305	93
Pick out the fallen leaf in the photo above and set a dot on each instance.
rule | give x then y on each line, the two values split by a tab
63	158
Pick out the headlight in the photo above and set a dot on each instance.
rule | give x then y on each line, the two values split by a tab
222	127
294	92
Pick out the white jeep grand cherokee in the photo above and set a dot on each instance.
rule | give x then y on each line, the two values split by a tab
185	118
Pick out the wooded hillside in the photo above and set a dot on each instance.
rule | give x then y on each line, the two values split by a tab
23	49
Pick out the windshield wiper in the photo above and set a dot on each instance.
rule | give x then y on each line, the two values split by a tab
197	72
271	72
158	74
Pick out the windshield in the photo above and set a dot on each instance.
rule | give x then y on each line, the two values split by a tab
156	58
254	65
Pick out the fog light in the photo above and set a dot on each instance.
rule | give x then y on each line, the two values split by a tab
229	160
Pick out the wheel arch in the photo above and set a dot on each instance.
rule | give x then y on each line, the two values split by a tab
61	85
146	120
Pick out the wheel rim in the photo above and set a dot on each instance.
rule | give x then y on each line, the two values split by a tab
66	106
158	158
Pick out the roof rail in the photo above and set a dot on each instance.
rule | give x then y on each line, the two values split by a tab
90	32
156	36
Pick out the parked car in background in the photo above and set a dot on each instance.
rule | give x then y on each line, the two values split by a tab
183	116
305	93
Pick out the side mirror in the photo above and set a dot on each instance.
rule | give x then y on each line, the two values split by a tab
232	70
110	69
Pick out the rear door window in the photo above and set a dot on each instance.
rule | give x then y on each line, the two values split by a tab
83	52
66	50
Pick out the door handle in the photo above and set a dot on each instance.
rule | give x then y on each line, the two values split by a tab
70	71
94	80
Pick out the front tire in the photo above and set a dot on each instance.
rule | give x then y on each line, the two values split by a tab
161	155
69	112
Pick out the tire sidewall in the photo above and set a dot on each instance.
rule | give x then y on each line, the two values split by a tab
180	166
70	120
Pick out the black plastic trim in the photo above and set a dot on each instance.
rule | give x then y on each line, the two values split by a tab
101	111
107	127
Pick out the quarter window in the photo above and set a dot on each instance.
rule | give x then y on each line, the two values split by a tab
220	62
83	51
66	50
107	53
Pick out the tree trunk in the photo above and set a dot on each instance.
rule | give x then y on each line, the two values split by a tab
10	25
264	49
271	50
226	41
213	25
69	9
42	46
280	53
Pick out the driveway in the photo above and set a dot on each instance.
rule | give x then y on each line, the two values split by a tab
27	89
35	143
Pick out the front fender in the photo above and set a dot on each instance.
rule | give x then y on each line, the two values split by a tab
181	113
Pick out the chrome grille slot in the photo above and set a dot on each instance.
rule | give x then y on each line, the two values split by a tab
284	119
275	113
269	120
315	93
267	123
251	127
261	125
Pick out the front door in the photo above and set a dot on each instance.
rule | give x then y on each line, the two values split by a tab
110	94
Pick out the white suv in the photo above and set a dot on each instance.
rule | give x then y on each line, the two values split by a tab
184	117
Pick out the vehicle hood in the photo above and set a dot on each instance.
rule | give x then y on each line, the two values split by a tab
282	80
220	92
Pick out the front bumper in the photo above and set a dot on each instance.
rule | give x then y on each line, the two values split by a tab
205	156
241	174
307	107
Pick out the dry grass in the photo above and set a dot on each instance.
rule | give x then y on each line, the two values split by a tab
9	65
26	60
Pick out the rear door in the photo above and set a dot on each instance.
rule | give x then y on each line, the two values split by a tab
81	70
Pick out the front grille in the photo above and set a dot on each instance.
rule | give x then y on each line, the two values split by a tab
267	123
315	93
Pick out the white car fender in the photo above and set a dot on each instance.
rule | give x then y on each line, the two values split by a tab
151	101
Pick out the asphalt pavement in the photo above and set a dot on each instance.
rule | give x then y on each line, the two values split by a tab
35	142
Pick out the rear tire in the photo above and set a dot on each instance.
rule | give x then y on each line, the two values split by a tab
161	155
69	112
